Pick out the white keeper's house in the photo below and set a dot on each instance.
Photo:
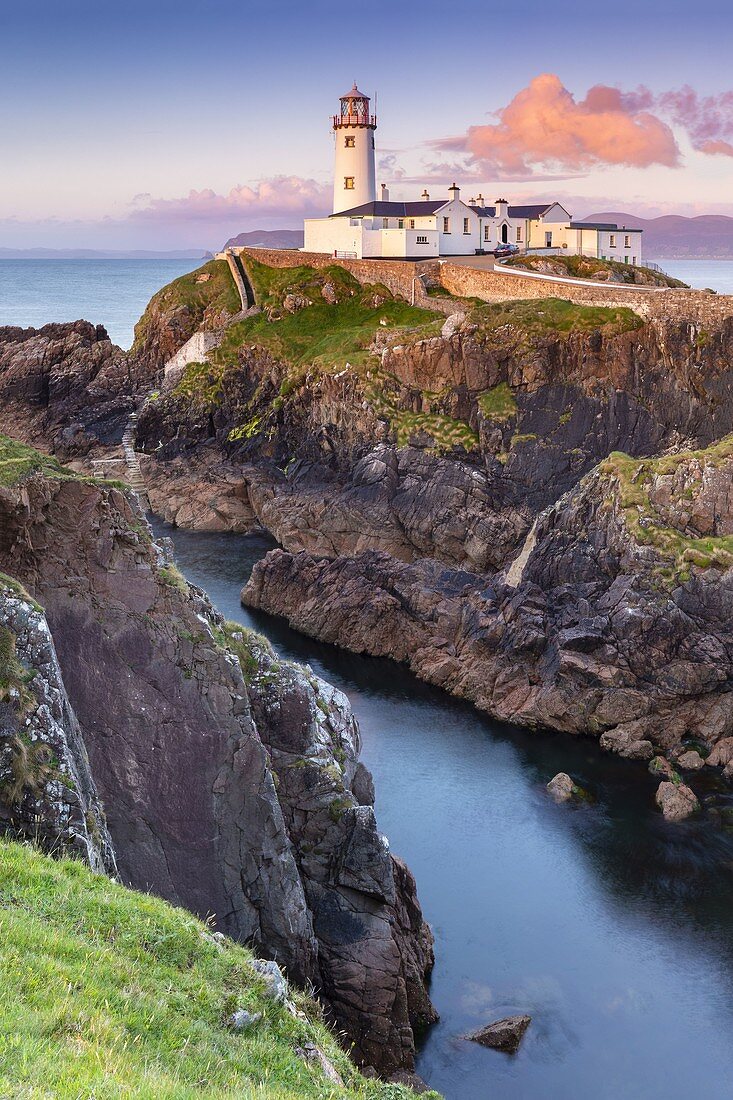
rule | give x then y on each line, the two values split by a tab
363	226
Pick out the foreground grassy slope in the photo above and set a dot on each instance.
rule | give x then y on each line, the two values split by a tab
112	993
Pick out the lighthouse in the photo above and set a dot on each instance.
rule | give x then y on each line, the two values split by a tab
354	179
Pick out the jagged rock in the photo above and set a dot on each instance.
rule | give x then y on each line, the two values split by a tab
241	1020
561	787
276	987
312	1053
690	761
46	788
208	829
660	766
676	801
624	743
328	293
506	1034
722	753
409	1080
294	303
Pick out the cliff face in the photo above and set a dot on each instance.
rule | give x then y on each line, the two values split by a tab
67	387
182	764
614	620
445	444
46	789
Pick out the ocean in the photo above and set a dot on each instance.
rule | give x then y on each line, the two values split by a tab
112	293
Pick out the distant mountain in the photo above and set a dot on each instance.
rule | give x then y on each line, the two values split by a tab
268	238
708	237
102	254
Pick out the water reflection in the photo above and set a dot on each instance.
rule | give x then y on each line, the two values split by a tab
609	926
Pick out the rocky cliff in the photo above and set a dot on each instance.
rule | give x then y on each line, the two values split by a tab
196	810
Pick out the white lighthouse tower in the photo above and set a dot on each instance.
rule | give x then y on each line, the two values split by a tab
354	180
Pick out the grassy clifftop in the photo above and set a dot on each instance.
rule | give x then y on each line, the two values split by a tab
585	267
112	993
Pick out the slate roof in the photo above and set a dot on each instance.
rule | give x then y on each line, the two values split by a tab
607	226
382	209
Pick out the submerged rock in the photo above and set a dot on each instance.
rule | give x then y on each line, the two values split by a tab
676	801
504	1034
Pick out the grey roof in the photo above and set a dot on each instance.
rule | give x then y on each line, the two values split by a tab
354	94
530	212
382	209
608	226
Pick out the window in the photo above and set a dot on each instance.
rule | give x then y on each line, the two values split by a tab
385	223
421	239
627	242
633	260
626	259
519	234
466	226
350	141
348	183
487	232
446	225
412	223
548	240
612	241
400	223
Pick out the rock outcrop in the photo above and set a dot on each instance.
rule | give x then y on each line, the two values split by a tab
47	793
67	388
196	806
506	1034
617	624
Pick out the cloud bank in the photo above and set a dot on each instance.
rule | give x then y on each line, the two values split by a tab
546	127
277	197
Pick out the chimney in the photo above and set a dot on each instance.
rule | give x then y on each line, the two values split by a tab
454	192
502	208
471	202
385	193
425	196
480	199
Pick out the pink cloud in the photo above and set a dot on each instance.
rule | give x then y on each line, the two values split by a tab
708	120
545	125
280	196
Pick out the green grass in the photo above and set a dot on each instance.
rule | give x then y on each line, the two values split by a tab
585	267
216	293
380	389
537	315
18	461
634	477
110	993
498	404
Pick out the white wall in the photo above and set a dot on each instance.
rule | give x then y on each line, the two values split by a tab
357	162
331	235
456	242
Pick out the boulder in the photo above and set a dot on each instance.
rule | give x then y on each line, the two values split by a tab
505	1034
409	1080
676	801
564	789
294	303
722	753
276	987
691	761
241	1020
661	766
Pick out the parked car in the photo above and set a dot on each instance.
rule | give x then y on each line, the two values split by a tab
503	250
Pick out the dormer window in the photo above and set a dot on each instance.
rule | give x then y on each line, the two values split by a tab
348	183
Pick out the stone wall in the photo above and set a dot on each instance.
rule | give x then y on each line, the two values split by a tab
465	281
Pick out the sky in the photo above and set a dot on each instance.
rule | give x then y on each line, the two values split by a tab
175	125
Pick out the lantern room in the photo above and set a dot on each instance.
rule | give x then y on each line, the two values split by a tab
355	111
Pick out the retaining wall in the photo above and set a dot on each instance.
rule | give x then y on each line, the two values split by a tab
465	281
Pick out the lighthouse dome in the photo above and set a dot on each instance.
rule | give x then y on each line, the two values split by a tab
354	94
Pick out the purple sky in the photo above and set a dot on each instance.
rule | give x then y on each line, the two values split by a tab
172	125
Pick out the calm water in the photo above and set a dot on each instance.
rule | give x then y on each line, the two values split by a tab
112	293
610	927
715	274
